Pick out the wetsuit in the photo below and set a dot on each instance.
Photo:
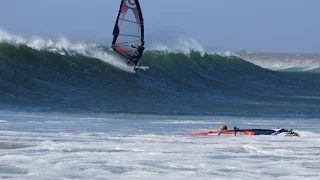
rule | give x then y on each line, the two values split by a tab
137	57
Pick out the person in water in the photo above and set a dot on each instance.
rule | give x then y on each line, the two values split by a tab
223	127
136	59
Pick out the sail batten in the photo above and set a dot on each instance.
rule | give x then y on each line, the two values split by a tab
129	21
129	35
128	31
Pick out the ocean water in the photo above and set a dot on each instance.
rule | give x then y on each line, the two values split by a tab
131	146
77	111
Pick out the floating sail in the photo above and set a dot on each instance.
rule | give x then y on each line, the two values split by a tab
128	29
249	132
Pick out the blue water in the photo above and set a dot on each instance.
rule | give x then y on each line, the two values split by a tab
77	111
190	83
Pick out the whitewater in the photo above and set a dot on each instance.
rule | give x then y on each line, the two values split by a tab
124	146
71	110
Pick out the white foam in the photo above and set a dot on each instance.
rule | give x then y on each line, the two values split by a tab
91	151
190	44
10	38
63	46
282	61
182	44
225	53
302	65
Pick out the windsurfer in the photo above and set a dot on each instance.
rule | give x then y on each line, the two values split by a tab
136	59
222	128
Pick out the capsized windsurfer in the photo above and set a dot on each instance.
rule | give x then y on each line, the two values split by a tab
235	131
223	127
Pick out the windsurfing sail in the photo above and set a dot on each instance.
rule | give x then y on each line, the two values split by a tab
128	32
249	132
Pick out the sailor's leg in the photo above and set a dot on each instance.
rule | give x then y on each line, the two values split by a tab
138	62
134	64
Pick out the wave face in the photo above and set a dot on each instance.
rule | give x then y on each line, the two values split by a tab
51	76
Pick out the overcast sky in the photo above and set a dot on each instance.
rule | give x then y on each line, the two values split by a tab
260	25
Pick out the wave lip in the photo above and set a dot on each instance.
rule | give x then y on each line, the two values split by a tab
63	46
293	62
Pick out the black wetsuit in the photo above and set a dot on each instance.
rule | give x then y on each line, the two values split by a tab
137	57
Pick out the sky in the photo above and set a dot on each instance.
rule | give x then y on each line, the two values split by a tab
253	25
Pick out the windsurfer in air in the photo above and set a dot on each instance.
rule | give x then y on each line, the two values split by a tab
139	52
